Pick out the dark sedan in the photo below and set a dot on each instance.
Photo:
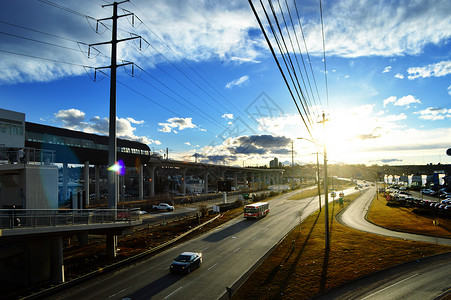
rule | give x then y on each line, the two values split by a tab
186	262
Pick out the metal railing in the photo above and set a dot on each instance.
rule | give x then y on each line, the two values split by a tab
32	218
26	155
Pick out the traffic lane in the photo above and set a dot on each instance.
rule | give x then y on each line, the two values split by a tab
224	261
354	216
425	279
235	252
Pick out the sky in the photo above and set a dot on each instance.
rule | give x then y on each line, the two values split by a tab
205	86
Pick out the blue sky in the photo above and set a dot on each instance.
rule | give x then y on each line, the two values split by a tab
209	84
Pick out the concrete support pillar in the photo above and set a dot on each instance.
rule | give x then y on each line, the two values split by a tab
222	174
64	196
184	182
253	180
259	181
245	180
83	239
111	245
235	181
152	181
141	182
86	178
206	182
97	181
56	260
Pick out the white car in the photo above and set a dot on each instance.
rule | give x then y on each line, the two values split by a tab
163	206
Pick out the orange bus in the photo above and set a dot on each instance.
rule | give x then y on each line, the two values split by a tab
256	210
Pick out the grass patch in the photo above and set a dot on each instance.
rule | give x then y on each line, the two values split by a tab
404	219
311	192
300	268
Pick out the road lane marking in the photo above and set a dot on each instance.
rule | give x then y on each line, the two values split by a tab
254	238
237	249
212	267
204	249
116	293
391	286
173	293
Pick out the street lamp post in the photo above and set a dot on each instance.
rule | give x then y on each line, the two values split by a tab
326	195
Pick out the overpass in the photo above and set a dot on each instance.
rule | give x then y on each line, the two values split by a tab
31	249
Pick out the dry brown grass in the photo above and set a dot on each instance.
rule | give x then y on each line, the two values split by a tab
404	219
300	268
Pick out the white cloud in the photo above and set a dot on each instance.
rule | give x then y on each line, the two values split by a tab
440	69
174	123
131	120
187	143
227	116
74	119
238	82
406	101
449	90
399	75
434	113
387	69
71	118
403	101
241	60
390	99
357	28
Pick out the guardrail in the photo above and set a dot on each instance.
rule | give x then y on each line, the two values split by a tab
32	218
27	155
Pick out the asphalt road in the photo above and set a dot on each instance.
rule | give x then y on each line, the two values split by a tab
228	252
423	279
427	278
354	216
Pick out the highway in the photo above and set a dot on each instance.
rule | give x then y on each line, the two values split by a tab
228	253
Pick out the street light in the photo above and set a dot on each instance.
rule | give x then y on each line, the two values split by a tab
326	194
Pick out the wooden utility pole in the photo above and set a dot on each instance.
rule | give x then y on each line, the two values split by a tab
326	188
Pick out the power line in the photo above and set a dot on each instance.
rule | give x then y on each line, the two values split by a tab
307	116
187	64
306	99
47	59
46	43
306	50
300	53
66	9
277	62
324	52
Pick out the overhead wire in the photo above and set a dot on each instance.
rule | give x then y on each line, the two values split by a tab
324	52
306	51
304	93
302	56
186	63
215	122
278	64
300	96
43	42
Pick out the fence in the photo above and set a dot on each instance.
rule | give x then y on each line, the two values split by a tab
26	155
32	218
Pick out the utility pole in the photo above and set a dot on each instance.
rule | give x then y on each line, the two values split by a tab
112	142
326	188
292	165
319	181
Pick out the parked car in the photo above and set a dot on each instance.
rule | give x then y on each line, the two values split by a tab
186	262
163	206
427	191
